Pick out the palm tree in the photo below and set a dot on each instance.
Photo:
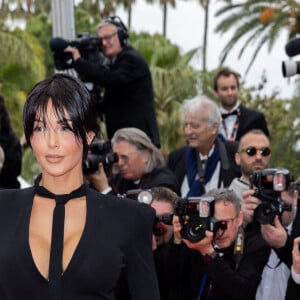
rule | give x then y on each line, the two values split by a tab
258	21
128	6
164	4
19	70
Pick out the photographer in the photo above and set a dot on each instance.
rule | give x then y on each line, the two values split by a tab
274	218
226	263
128	97
140	165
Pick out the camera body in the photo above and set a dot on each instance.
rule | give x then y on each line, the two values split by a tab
89	49
140	195
146	197
269	184
100	151
196	216
88	46
291	67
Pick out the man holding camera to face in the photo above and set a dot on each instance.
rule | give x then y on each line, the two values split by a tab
140	165
213	256
270	206
128	97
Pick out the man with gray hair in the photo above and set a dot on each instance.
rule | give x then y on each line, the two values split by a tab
222	262
207	161
140	165
129	96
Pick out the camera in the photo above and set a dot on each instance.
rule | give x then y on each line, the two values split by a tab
290	67
196	216
100	151
88	46
89	49
269	184
140	195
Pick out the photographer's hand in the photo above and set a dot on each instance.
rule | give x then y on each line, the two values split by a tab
249	204
296	255
176	230
275	235
204	246
74	51
98	180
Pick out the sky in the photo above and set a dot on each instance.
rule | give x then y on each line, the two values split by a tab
185	29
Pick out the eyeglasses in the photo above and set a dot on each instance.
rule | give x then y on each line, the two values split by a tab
108	37
166	218
125	157
251	151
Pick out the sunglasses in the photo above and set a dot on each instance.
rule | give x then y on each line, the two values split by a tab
164	218
251	151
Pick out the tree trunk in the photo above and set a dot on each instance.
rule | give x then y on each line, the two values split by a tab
165	11
206	17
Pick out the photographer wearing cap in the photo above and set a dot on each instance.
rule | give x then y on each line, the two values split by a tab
225	262
128	97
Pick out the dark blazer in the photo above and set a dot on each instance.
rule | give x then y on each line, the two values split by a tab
117	238
250	119
229	169
293	290
182	271
129	96
285	252
158	177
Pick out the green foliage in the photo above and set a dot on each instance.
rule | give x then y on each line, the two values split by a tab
283	123
173	79
21	66
258	22
25	58
30	166
84	22
41	27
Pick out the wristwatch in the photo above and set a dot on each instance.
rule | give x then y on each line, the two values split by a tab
207	258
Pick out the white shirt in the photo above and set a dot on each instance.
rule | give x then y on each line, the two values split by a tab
229	122
274	279
212	184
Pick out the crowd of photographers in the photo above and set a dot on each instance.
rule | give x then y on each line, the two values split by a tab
226	223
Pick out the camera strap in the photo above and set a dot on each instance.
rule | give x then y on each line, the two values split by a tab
201	164
239	247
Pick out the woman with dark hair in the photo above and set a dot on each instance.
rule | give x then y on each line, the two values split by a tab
12	151
61	239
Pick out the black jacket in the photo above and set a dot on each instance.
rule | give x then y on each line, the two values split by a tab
129	96
158	177
250	119
229	169
117	236
183	271
293	290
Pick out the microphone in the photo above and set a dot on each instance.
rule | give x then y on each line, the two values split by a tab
292	48
58	44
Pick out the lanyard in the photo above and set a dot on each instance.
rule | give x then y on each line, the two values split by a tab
235	127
